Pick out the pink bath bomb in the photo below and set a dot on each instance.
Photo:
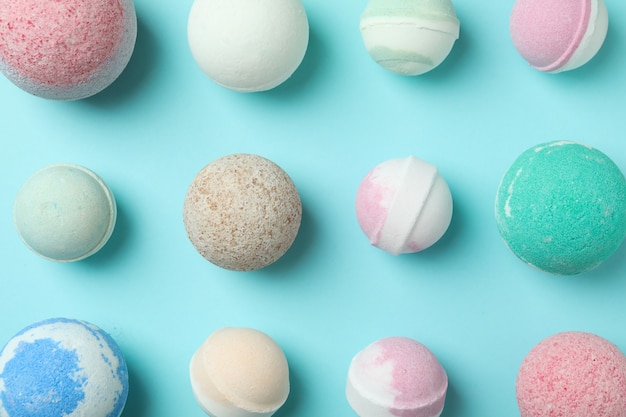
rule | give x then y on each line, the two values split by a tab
404	205
396	376
572	374
65	50
558	35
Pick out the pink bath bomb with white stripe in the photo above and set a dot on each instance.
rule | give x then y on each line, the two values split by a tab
404	205
572	374
65	50
396	376
558	35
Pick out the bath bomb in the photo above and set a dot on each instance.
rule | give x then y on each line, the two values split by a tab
396	376
242	212
404	205
65	50
409	37
62	368
65	212
561	207
558	35
572	374
239	372
248	46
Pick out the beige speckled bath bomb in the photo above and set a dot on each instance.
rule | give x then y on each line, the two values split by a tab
242	212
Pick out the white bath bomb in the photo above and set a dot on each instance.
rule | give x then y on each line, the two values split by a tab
248	45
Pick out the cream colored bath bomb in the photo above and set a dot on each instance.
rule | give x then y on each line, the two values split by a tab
239	372
248	46
242	212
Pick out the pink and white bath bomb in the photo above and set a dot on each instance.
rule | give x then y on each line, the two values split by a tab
572	374
396	376
558	35
65	50
404	205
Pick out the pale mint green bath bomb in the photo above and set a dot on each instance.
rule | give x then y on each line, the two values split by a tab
409	37
65	213
561	207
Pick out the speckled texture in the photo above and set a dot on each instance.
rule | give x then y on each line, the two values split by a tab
65	50
65	212
547	32
239	372
242	212
62	368
572	374
561	207
558	35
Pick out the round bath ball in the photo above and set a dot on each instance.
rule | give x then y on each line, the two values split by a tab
409	37
65	50
396	376
242	212
239	372
62	368
404	205
248	46
65	212
572	374
561	207
558	35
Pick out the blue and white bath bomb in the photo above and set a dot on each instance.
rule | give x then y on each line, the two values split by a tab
62	368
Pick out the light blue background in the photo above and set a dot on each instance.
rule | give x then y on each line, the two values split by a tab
475	305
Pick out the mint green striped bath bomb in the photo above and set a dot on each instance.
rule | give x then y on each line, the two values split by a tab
561	207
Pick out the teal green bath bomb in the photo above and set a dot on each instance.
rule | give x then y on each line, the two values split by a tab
561	207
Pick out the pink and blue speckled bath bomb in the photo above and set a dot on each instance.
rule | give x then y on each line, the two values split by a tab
65	50
572	374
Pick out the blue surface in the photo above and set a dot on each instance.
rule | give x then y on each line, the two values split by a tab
471	301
